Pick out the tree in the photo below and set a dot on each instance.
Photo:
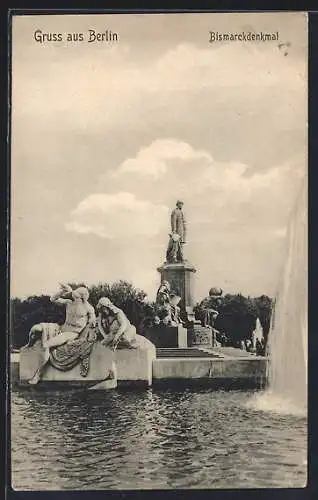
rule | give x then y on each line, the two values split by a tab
264	305
37	309
237	315
237	318
26	313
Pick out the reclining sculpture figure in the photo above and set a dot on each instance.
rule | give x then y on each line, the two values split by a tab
76	335
76	346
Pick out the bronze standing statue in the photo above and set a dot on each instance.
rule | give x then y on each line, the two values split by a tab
177	236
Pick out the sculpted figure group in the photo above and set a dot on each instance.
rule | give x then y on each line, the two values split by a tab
81	329
168	311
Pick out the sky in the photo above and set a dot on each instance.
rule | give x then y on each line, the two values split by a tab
107	136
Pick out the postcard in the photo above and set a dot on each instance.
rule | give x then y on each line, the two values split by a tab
158	251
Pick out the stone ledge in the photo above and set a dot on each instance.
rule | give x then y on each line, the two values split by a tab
135	365
196	368
185	265
131	365
100	363
215	384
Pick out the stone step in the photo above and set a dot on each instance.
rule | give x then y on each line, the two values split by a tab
190	352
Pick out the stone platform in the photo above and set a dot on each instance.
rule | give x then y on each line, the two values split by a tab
102	370
225	367
130	367
218	367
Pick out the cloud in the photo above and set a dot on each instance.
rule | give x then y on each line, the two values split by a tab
118	215
104	86
229	66
153	160
221	196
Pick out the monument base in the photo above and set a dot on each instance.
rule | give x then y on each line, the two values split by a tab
167	336
101	367
106	368
180	277
201	336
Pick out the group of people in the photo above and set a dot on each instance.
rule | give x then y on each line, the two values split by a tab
81	322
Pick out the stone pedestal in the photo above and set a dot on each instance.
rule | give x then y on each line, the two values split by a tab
201	336
134	366
128	366
181	278
101	361
167	336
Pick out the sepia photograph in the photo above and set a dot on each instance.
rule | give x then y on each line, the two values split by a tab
158	251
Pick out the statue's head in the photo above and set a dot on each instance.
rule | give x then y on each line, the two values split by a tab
179	204
156	320
80	293
215	292
166	284
142	296
105	304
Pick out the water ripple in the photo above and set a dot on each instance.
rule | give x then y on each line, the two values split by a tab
153	439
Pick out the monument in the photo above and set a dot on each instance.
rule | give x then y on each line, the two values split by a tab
176	324
176	270
99	348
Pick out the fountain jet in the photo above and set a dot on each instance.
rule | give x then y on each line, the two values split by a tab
288	338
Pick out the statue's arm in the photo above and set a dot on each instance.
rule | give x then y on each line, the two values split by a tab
58	299
123	323
100	326
91	315
184	230
63	296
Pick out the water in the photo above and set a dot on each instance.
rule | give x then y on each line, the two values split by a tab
153	439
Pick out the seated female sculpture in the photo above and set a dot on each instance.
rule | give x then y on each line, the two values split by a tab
114	326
